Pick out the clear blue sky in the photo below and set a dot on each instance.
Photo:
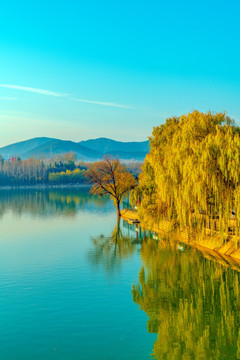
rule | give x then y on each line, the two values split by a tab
135	62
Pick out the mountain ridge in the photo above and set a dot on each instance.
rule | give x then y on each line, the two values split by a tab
87	150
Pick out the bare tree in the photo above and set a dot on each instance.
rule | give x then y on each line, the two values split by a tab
110	177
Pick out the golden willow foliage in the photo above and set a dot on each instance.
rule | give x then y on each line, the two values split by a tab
192	303
192	172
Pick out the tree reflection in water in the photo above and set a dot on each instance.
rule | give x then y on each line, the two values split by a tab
110	251
192	303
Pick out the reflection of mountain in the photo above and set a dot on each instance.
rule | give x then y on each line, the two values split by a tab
192	303
51	202
111	250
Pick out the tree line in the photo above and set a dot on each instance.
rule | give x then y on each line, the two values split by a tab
63	169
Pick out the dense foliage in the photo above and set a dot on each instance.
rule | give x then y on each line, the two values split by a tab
67	177
192	172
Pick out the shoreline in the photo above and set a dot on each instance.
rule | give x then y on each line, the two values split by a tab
226	254
46	186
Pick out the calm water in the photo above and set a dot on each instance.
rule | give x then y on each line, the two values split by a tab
75	286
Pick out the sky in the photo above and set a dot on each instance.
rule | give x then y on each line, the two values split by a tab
76	70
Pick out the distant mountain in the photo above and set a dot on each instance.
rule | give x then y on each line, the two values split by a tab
89	150
109	146
19	148
56	147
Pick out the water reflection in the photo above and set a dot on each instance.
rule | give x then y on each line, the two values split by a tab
51	202
193	304
110	251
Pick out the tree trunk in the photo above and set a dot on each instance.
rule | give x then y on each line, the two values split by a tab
118	208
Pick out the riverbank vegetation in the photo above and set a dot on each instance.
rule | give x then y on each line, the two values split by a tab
191	175
63	169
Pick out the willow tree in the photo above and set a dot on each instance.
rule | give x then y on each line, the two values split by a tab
110	177
194	171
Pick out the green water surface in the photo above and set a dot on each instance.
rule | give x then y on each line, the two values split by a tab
74	285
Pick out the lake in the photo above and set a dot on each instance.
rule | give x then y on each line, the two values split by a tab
74	285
